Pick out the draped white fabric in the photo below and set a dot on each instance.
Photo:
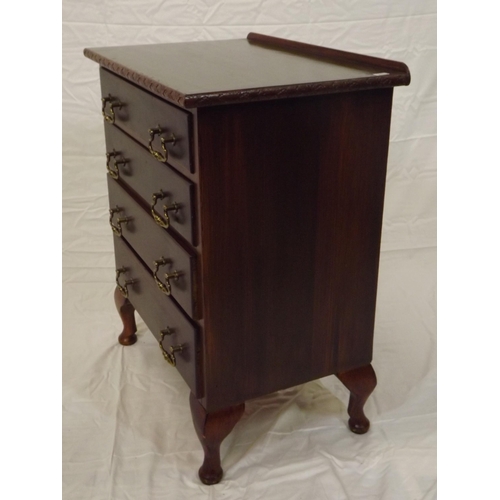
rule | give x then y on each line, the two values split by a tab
127	430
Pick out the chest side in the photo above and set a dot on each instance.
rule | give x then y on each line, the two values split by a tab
291	212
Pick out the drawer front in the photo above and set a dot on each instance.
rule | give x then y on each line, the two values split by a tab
147	177
160	313
174	267
140	111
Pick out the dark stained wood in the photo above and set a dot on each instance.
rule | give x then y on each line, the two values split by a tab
126	312
196	74
291	216
159	313
334	55
145	175
290	144
152	243
212	428
142	111
361	382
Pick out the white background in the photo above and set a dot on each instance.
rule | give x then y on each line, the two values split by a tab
127	431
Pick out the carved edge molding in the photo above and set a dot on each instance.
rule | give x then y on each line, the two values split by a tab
300	90
247	95
138	78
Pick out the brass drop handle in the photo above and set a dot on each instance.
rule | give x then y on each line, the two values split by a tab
113	103
113	170
169	356
163	222
117	229
166	287
123	289
153	132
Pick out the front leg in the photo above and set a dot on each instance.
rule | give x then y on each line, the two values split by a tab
126	312
361	382
212	429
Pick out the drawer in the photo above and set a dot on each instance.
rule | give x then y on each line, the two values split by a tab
147	176
160	313
173	266
140	112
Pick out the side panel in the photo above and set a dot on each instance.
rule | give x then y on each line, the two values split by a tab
291	211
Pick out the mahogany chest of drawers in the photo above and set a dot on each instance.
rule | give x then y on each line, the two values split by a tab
246	186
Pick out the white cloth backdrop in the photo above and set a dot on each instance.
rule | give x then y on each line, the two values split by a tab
127	430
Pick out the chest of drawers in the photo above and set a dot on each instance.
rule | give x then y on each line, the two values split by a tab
246	186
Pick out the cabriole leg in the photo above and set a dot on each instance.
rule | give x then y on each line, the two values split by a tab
212	429
360	382
126	312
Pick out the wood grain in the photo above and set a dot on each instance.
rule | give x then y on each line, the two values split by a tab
291	212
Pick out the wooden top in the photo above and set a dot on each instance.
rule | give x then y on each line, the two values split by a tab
260	67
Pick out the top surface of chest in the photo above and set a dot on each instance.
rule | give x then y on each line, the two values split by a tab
196	74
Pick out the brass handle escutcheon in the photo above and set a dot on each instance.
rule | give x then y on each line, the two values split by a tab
113	103
117	229
163	222
123	289
166	287
153	132
113	170
169	356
